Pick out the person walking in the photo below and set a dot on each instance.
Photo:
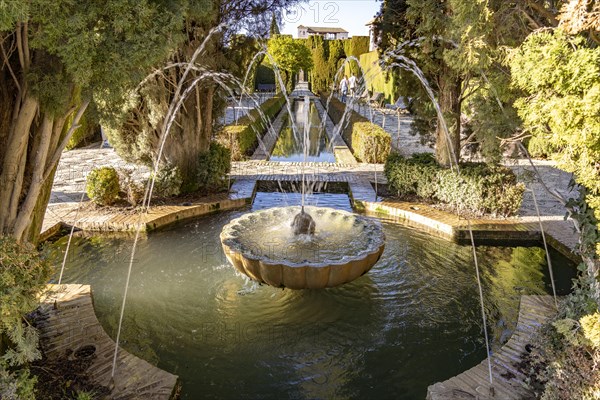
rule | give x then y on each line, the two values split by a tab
344	88
352	85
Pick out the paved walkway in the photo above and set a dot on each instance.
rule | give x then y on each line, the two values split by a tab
69	328
398	124
507	377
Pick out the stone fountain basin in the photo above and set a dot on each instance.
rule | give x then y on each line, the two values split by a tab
348	245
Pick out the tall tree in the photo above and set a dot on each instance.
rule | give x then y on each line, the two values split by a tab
136	137
290	55
274	30
58	57
459	46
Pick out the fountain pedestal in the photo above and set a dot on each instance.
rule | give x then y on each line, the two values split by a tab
263	246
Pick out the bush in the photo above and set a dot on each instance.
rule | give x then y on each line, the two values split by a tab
371	143
23	276
479	188
241	138
563	362
336	112
168	180
213	167
103	185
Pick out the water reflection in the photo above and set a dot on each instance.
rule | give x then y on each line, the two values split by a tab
289	148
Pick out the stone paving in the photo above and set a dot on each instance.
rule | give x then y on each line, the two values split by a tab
397	123
69	328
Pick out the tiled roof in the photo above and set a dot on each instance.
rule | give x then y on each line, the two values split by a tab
316	29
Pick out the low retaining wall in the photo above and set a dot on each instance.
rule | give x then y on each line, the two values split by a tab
69	328
508	381
451	227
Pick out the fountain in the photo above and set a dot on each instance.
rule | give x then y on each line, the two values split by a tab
338	248
285	247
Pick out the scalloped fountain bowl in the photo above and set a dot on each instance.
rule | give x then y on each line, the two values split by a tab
262	246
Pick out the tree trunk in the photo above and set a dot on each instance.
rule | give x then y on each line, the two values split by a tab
27	174
447	146
191	135
33	142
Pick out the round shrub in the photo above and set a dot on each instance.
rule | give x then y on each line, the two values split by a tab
103	185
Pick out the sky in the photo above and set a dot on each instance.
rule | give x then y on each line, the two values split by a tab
351	15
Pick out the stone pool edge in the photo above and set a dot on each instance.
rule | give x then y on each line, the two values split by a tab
157	217
67	322
508	380
451	227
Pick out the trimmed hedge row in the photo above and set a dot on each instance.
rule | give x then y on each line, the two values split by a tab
479	188
371	143
241	138
368	142
336	111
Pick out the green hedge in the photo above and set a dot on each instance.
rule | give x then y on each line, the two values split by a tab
371	143
368	142
213	168
336	111
479	188
378	80
241	138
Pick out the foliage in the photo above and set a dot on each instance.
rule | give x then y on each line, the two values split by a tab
328	56
117	45
58	57
23	275
102	185
320	77
168	180
264	75
478	188
133	191
460	47
378	80
370	142
85	395
86	134
213	167
355	47
336	111
560	76
290	55
218	70
563	364
241	138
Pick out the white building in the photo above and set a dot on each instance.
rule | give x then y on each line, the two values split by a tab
327	33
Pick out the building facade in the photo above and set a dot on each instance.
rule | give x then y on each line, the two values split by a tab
327	33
